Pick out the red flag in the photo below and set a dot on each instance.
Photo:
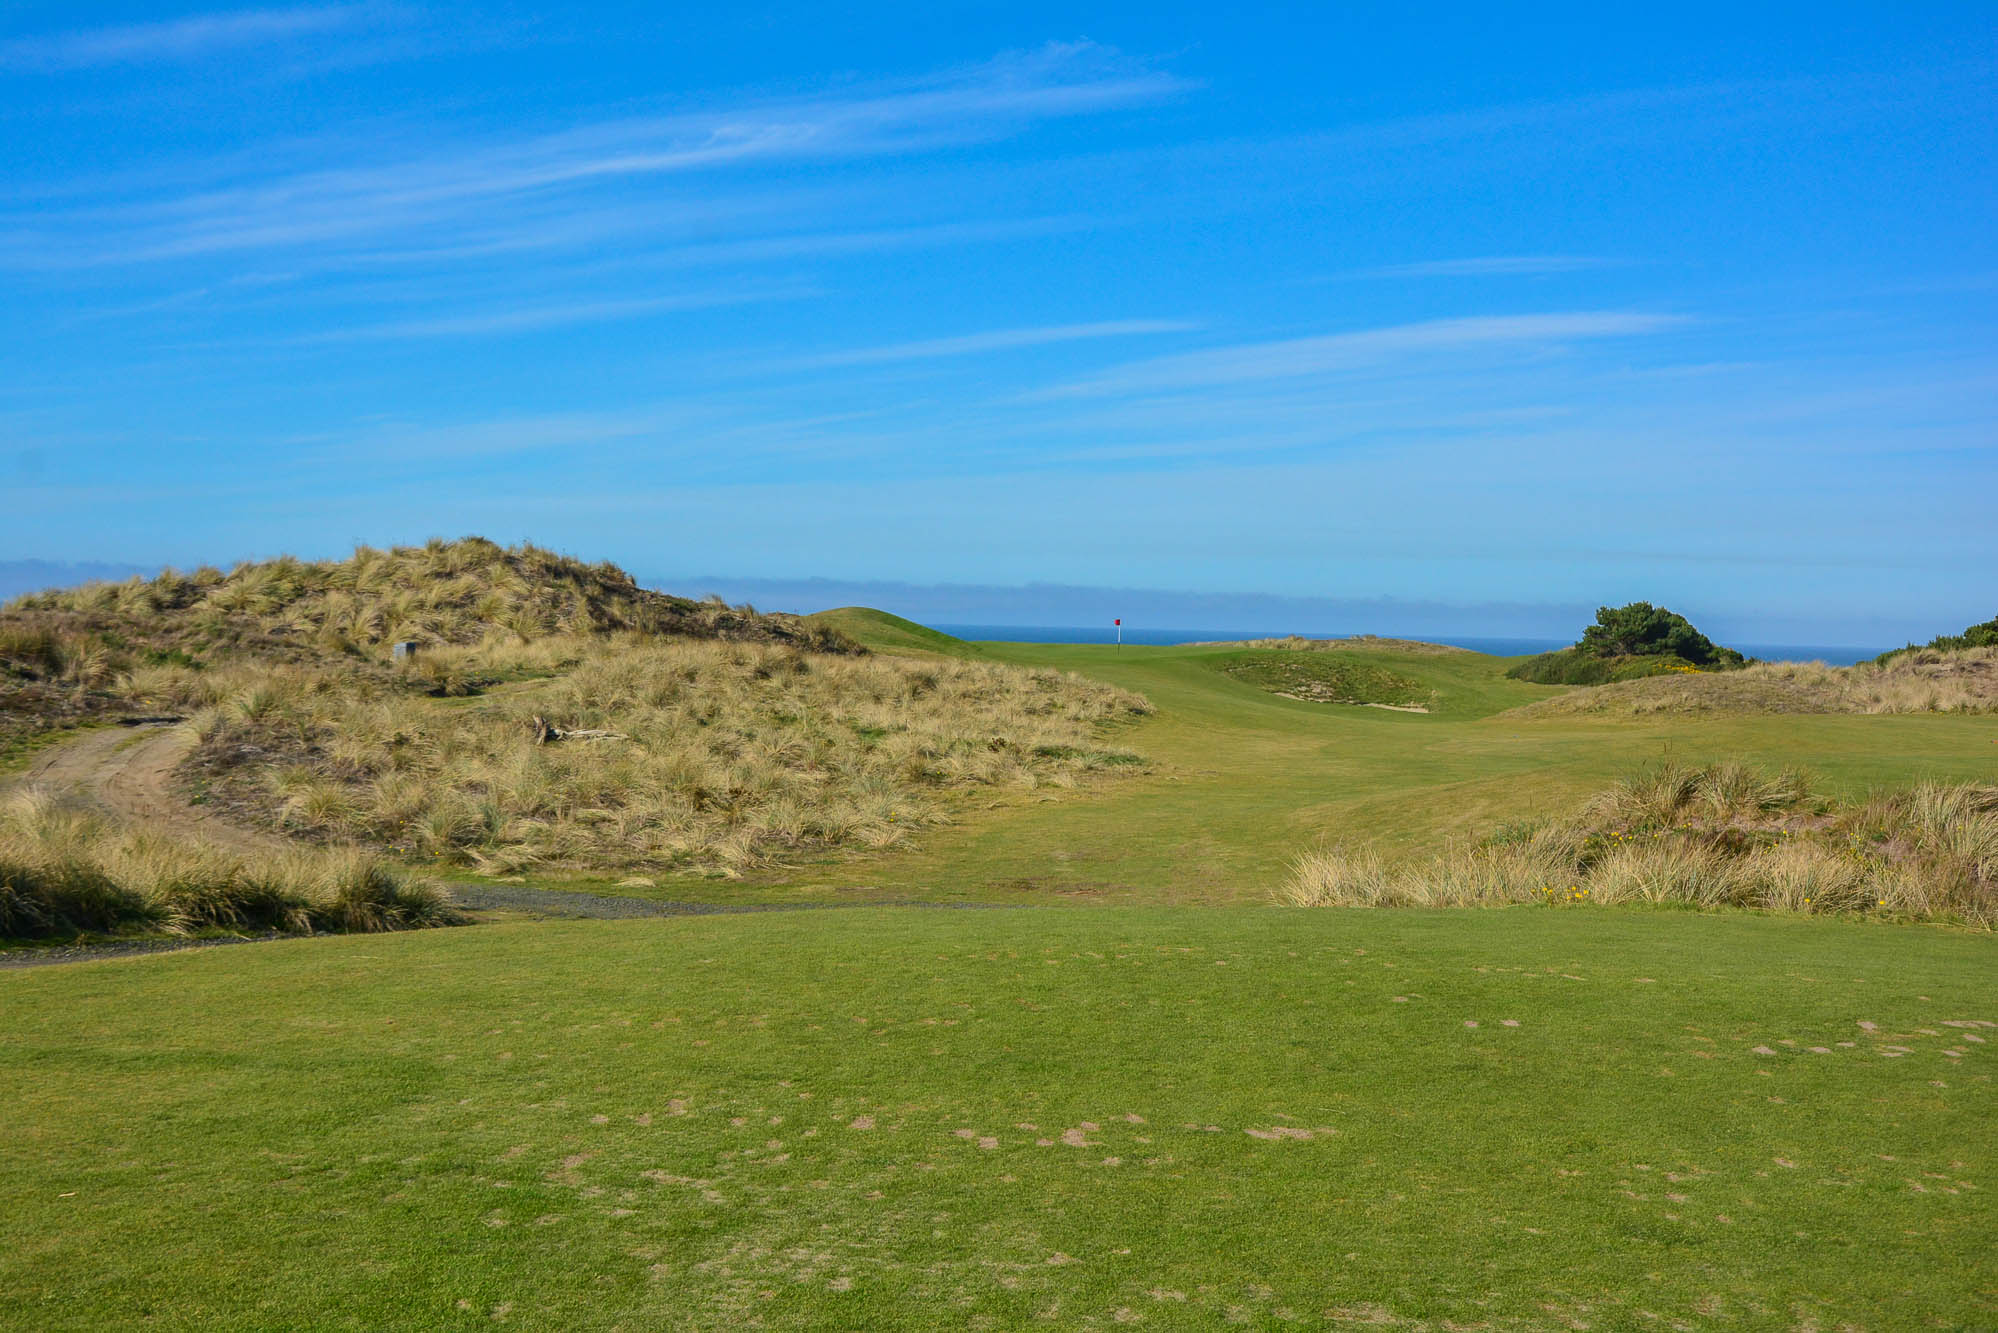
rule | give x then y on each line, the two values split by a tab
1118	621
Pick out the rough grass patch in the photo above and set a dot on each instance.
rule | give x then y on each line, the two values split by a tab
1725	835
66	872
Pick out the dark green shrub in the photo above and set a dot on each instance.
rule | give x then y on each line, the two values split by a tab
1643	630
1627	642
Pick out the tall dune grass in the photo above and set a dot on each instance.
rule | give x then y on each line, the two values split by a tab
1721	836
439	593
720	756
64	871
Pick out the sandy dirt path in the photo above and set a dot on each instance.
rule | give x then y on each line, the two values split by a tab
127	772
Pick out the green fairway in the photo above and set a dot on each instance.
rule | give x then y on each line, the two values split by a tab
1244	779
996	1119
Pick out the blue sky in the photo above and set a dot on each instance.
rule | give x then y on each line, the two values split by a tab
1394	305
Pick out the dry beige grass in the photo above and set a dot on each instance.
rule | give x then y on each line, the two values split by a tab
62	654
736	736
453	592
1724	836
723	755
1923	680
64	871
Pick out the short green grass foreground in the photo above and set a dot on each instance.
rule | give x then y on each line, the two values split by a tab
903	1118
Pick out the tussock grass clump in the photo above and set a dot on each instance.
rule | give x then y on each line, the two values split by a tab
64	872
1921	680
712	756
1721	836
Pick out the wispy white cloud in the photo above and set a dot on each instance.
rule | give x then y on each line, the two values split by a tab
433	199
1292	357
998	340
195	37
1489	266
526	319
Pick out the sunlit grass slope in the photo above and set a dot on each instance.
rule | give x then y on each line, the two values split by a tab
1008	1119
885	632
1243	780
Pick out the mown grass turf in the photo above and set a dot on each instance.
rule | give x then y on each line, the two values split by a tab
1001	1119
1244	780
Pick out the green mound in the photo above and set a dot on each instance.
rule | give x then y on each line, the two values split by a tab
1628	643
1325	678
1572	666
886	632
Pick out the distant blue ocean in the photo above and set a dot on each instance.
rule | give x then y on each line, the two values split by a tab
1768	652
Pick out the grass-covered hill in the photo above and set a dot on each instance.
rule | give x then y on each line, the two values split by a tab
1921	680
1629	643
69	655
555	715
444	592
884	632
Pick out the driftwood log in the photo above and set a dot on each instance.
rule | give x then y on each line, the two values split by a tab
544	734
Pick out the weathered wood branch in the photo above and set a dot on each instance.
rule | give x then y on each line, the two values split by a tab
544	734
